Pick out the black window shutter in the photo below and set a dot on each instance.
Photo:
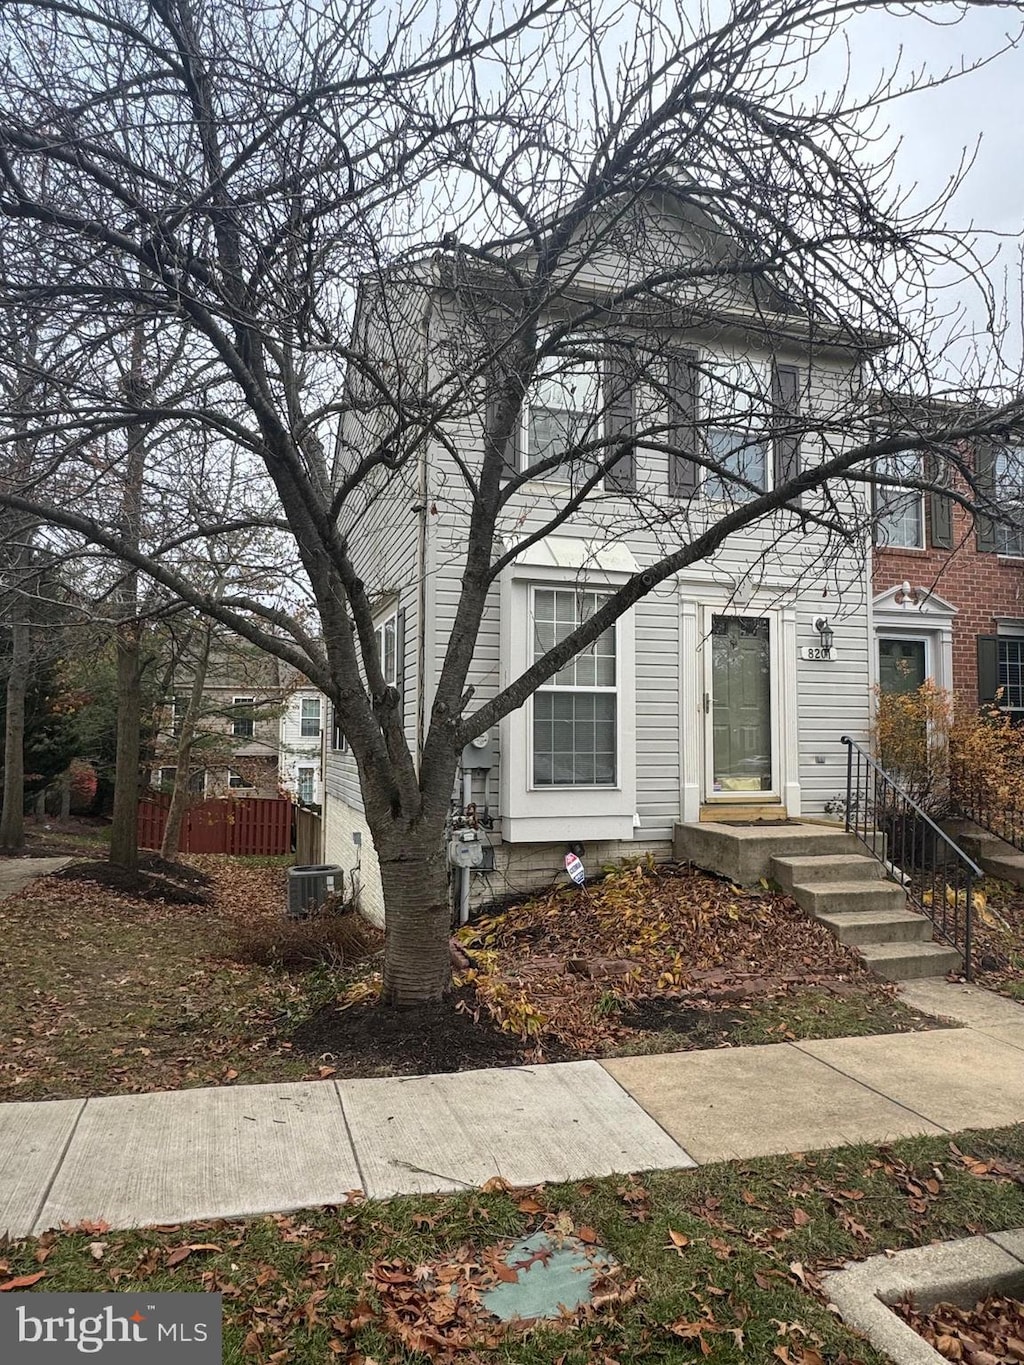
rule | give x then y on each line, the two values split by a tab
510	455
940	505
786	445
337	738
984	474
988	668
682	423
620	419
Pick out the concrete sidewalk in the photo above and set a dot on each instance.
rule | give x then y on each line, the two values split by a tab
207	1153
16	873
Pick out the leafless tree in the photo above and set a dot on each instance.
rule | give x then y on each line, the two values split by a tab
282	189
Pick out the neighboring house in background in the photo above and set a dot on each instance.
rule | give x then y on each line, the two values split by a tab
949	594
256	737
712	695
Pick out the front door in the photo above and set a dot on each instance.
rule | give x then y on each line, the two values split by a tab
741	761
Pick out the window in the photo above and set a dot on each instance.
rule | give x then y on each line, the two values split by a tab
899	512
338	741
736	395
1008	471
575	725
237	780
243	722
564	411
1011	672
306	784
902	665
309	723
179	705
167	776
387	648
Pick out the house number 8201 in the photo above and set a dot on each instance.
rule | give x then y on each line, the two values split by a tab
818	652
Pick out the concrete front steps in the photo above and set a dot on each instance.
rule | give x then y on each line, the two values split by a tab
993	855
829	876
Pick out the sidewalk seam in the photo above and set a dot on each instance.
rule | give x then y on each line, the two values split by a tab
56	1170
874	1089
351	1138
633	1100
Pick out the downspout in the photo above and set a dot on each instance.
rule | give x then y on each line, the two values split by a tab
423	504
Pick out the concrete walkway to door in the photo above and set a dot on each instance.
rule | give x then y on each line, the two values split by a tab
207	1153
16	873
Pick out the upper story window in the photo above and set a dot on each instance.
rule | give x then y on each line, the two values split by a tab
387	649
575	713
243	717
1008	471
736	398
562	413
899	513
309	720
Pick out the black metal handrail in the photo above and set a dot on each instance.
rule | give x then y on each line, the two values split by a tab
974	800
937	875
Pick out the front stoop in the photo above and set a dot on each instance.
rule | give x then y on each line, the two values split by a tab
852	898
827	873
993	855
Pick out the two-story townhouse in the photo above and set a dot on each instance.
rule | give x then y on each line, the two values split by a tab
949	586
716	696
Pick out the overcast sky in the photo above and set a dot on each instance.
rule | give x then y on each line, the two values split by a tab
935	124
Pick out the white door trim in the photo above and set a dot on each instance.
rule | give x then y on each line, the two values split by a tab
776	729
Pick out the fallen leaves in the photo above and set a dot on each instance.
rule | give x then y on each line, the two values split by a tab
990	1332
21	1281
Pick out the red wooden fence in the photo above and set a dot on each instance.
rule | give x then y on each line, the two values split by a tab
247	825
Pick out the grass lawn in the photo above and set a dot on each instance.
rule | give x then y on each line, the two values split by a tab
107	993
721	1263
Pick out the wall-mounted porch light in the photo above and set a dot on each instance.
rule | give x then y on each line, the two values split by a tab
825	632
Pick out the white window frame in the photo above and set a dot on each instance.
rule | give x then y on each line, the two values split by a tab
556	475
168	781
243	783
553	814
1015	496
305	768
388	626
556	688
237	720
318	717
750	428
1007	637
895	503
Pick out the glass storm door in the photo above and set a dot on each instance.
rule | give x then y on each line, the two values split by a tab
901	665
740	709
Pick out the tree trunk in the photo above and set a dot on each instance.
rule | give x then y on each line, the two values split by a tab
170	843
12	815
417	963
124	836
65	795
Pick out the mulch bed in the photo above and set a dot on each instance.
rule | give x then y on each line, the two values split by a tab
990	1333
155	880
365	1039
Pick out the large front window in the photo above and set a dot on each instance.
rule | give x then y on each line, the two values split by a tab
575	713
736	398
562	414
900	512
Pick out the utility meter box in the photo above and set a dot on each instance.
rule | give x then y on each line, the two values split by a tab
480	752
465	849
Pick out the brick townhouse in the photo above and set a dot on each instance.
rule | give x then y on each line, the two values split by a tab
949	590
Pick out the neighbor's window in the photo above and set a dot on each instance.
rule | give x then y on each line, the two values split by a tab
179	705
1008	470
306	781
237	779
575	727
1011	673
309	724
243	721
563	412
167	776
736	400
899	512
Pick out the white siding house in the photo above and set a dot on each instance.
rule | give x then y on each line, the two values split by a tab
711	695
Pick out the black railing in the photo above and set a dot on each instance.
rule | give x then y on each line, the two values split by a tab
937	875
975	800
